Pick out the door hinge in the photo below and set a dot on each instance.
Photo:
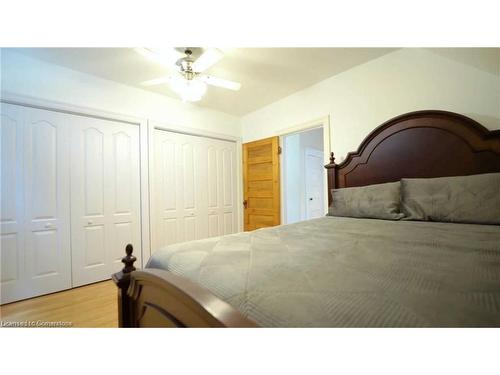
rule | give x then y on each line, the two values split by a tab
279	150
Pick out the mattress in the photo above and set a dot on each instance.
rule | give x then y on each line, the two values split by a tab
345	272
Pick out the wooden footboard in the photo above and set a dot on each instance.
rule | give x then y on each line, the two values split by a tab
158	298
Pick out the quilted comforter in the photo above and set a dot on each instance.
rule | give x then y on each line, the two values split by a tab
345	272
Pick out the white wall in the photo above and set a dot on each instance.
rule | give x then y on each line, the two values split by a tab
23	75
365	96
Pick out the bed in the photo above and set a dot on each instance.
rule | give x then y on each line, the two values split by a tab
340	271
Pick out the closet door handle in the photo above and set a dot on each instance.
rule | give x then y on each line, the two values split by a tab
245	203
48	225
90	222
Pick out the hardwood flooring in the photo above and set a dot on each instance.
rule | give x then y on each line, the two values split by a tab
93	305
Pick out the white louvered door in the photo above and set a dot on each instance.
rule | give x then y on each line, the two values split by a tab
105	197
194	188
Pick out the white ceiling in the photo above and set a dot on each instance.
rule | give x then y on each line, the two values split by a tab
266	74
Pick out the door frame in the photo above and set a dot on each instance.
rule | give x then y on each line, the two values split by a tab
55	106
321	122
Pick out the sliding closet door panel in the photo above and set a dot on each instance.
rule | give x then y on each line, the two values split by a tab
12	206
228	190
167	190
88	230
190	221
222	178
194	188
104	196
126	189
214	189
47	212
164	191
176	194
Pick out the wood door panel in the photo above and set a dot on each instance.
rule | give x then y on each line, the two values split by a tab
260	171
260	203
256	221
261	179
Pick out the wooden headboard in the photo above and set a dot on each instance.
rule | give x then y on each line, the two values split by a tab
418	144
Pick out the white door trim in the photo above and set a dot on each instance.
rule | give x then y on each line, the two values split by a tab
193	131
322	122
52	105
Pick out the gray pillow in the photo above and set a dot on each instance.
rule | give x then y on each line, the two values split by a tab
463	199
379	201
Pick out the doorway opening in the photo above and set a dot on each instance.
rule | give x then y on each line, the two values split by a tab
303	175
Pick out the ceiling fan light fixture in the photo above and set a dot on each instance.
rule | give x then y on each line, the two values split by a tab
188	81
191	90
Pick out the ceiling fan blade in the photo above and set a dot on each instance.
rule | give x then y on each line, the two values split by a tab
164	56
157	81
219	82
207	59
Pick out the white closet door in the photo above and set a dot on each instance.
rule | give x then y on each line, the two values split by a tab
46	199
13	285
221	171
105	197
194	188
176	194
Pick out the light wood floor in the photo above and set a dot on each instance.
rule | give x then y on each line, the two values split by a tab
92	305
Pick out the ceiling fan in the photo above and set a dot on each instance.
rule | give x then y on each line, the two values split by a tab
187	78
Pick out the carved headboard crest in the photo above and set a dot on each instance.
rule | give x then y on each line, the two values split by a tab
419	144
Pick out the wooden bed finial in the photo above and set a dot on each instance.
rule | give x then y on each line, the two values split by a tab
122	281
129	259
332	176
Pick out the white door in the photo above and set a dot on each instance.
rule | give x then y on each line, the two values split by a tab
194	188
46	202
221	187
314	180
105	196
12	277
176	196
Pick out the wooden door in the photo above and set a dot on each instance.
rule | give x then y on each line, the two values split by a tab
261	183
